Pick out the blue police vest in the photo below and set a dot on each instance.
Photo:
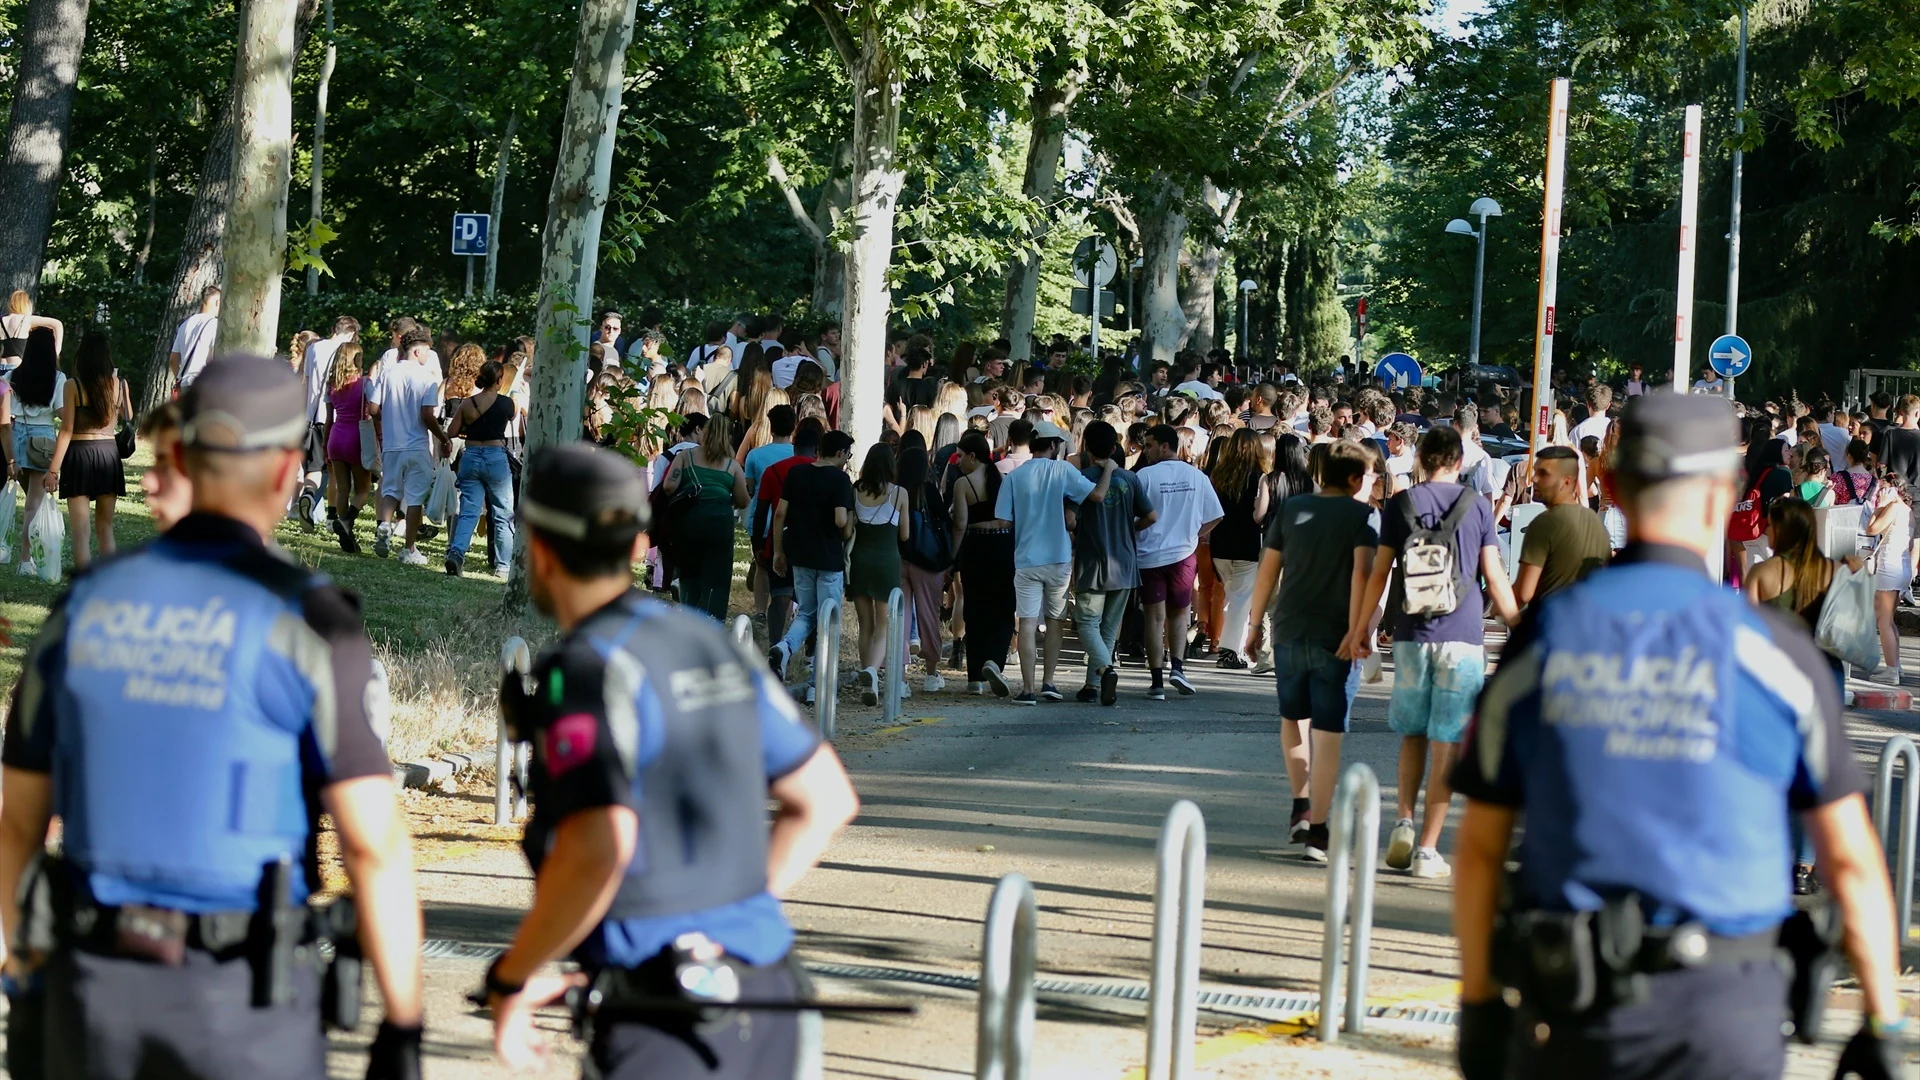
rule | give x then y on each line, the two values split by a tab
698	774
177	756
1657	731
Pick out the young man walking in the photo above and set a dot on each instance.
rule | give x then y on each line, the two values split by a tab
1106	562
1325	542
812	522
1566	543
1443	533
1188	510
408	405
1033	497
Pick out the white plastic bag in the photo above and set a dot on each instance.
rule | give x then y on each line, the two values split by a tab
443	498
1846	629
47	540
9	494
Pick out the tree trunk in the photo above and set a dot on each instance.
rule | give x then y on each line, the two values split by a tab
1052	100
829	260
1295	293
199	262
256	248
877	179
153	202
1163	232
500	167
52	36
320	143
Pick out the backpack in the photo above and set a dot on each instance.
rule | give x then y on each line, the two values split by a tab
1749	518
1427	567
930	535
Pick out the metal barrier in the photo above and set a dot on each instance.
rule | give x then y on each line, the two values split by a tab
1179	900
826	666
743	629
1005	1047
1355	824
1899	748
515	658
896	657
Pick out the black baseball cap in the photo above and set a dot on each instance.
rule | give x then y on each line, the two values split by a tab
580	492
1666	436
243	403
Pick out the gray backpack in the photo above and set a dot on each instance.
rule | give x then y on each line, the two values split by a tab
1426	563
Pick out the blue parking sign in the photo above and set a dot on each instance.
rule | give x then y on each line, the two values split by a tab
470	233
1730	355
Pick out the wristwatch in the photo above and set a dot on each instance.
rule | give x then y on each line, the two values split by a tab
498	987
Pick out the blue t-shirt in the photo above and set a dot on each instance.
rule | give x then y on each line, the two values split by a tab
758	460
1431	501
1034	498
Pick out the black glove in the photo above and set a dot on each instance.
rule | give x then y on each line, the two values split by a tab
395	1053
1486	1030
1871	1057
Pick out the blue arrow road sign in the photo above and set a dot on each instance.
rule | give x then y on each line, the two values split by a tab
1398	369
470	233
1730	355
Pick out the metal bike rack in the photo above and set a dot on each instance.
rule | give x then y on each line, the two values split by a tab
743	629
1179	900
826	666
1899	748
896	656
515	658
1355	824
1005	1047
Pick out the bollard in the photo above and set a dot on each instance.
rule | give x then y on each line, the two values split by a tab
514	658
1005	1047
743	630
1897	749
1179	900
826	666
1355	824
896	657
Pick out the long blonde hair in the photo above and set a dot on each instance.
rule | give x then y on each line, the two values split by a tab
20	303
761	433
346	366
951	399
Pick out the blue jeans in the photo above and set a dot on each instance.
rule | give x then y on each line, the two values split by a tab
1097	616
810	588
484	476
1314	684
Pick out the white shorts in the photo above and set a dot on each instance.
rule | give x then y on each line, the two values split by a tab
1891	573
1040	592
405	476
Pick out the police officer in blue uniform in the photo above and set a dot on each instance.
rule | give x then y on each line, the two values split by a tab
657	744
187	710
1654	732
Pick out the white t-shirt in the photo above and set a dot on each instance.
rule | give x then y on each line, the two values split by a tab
404	389
1476	469
194	342
703	353
1835	439
1710	386
318	368
1595	426
1185	500
828	364
784	369
1200	390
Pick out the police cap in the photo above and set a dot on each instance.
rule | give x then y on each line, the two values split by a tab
582	493
242	402
1666	436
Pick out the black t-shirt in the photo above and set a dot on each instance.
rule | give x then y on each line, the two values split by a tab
1903	453
812	540
909	392
1317	536
1876	442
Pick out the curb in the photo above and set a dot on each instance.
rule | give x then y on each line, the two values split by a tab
441	771
1896	700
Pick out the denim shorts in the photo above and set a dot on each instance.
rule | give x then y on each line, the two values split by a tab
1313	683
1435	685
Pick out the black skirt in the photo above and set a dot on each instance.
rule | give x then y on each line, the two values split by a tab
91	469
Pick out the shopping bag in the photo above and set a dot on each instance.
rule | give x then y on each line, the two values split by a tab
443	498
369	446
1847	629
47	540
9	494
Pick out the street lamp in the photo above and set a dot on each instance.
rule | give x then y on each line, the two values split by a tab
1247	288
1483	209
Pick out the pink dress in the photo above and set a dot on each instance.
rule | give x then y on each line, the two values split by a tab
349	405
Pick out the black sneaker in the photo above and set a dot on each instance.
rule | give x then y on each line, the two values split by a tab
453	566
306	504
1026	698
1110	685
428	530
1087	695
1198	647
1297	827
1230	660
1051	692
1316	841
1805	882
1180	683
1156	693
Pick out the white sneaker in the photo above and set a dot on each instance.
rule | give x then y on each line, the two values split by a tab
905	690
1429	864
977	688
870	693
1400	845
933	684
412	557
1886	676
27	569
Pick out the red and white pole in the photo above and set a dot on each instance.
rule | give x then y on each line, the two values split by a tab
1689	235
1549	270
